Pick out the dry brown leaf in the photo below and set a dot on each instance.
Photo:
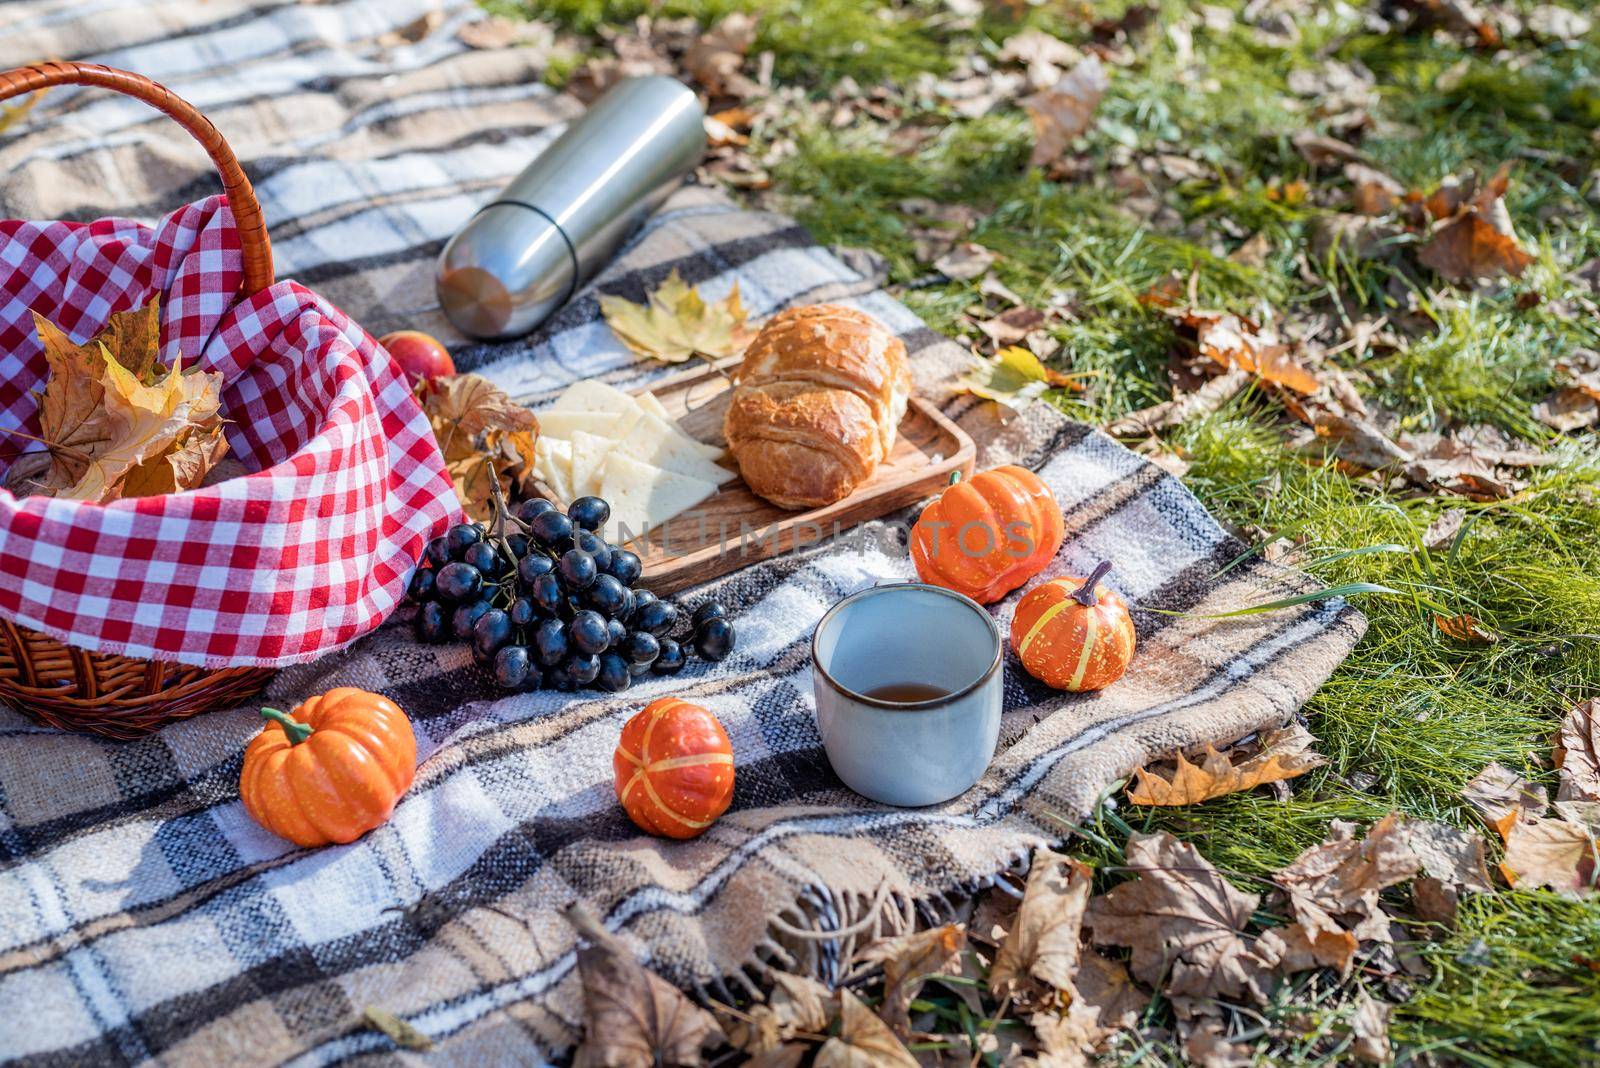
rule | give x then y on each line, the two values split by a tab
1555	853
1205	1045
1334	887
1568	409
1475	238
1449	854
1182	407
863	1041
1281	754
499	31
909	960
796	1006
1065	111
413	31
1296	948
717	56
1369	1028
965	261
1232	341
1046	936
1045	56
1182	920
1322	151
146	422
1444	528
1465	628
632	1017
1373	193
1503	797
1577	753
483	434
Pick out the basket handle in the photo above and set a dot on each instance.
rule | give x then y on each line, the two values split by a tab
255	247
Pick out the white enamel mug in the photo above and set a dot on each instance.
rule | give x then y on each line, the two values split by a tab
908	752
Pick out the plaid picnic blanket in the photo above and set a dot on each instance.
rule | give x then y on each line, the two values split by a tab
145	918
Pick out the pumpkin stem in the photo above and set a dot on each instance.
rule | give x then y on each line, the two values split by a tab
955	476
297	731
1085	594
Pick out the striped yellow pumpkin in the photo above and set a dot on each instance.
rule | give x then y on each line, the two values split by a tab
1074	634
674	768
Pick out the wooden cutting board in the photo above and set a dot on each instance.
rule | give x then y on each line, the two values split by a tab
734	528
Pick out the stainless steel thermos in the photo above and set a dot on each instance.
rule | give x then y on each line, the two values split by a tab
549	231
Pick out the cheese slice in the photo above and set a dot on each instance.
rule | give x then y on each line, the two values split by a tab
590	395
589	452
643	496
552	458
648	402
564	424
656	441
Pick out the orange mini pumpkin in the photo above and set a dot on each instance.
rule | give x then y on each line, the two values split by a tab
331	771
987	535
1074	634
674	768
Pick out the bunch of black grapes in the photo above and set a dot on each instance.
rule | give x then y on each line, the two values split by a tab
545	601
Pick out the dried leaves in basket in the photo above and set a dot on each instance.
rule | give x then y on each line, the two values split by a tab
114	423
483	434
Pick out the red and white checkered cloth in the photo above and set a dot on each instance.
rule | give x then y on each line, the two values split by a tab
306	554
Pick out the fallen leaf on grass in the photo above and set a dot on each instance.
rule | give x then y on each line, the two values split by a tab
483	434
1334	887
1183	407
1206	1045
1476	240
1373	192
1449	854
863	1041
1369	1028
676	324
1555	853
717	56
1320	150
1045	940
1015	377
1064	112
1465	628
1501	796
1577	753
1281	754
632	1017
1232	341
1045	56
909	960
1576	402
399	1031
1182	920
964	261
1444	528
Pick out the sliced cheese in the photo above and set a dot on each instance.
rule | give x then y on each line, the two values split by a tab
643	496
648	402
552	459
590	395
564	424
589	452
656	441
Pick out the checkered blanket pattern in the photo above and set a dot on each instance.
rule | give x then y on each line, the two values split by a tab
310	550
145	919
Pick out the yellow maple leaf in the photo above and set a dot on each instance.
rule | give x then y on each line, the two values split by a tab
676	324
1283	754
145	422
1015	377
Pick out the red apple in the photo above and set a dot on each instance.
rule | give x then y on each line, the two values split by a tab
421	356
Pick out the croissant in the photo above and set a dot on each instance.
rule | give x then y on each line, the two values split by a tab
816	403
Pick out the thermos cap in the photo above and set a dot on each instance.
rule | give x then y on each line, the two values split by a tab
557	223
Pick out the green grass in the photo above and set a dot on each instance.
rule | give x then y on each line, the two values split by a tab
1412	715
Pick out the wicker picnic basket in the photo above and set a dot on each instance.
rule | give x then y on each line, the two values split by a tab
122	696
